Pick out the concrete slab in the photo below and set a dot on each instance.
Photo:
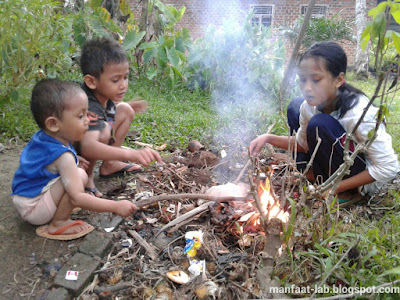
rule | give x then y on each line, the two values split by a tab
96	244
58	294
85	265
107	221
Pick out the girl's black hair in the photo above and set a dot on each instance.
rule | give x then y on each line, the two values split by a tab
335	60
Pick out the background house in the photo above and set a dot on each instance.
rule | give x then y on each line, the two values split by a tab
275	13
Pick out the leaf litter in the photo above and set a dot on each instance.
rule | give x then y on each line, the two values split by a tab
236	258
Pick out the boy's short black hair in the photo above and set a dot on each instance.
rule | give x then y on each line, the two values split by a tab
49	99
97	53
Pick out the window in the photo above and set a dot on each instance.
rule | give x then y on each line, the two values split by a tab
319	11
262	15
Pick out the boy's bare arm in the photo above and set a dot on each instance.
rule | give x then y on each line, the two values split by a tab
73	185
93	149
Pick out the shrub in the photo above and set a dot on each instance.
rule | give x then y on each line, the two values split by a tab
35	41
320	29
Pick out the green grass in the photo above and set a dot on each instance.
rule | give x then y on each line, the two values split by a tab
173	117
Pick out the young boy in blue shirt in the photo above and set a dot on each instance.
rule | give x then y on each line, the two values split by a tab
48	184
105	68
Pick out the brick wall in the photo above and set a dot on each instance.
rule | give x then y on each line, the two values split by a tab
201	13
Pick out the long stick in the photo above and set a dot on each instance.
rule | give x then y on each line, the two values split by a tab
186	216
179	197
242	172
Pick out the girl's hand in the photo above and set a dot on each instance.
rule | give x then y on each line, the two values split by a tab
83	163
257	144
325	194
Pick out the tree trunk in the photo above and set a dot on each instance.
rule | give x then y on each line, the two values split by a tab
143	27
113	8
361	58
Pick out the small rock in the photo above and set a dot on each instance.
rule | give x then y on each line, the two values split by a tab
195	146
52	269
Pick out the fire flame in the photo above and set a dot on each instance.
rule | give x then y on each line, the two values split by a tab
269	205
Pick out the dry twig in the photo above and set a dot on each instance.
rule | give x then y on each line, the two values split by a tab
197	210
150	249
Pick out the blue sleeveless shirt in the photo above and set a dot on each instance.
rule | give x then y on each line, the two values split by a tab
32	176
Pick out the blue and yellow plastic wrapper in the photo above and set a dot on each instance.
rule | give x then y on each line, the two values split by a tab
194	239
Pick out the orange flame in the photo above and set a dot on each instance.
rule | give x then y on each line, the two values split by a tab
269	205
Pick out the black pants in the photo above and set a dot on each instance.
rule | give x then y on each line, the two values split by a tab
329	155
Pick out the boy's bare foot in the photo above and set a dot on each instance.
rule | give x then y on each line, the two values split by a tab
117	168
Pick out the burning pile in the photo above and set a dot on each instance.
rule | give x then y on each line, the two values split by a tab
243	217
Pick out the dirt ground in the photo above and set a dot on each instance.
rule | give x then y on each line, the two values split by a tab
24	256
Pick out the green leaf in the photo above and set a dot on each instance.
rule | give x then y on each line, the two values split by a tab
95	3
253	74
151	73
396	16
132	38
179	45
79	30
173	57
187	39
161	57
166	11
321	249
177	72
394	271
371	134
288	231
145	46
379	25
14	95
171	76
124	7
102	13
181	13
149	54
381	8
396	41
385	111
